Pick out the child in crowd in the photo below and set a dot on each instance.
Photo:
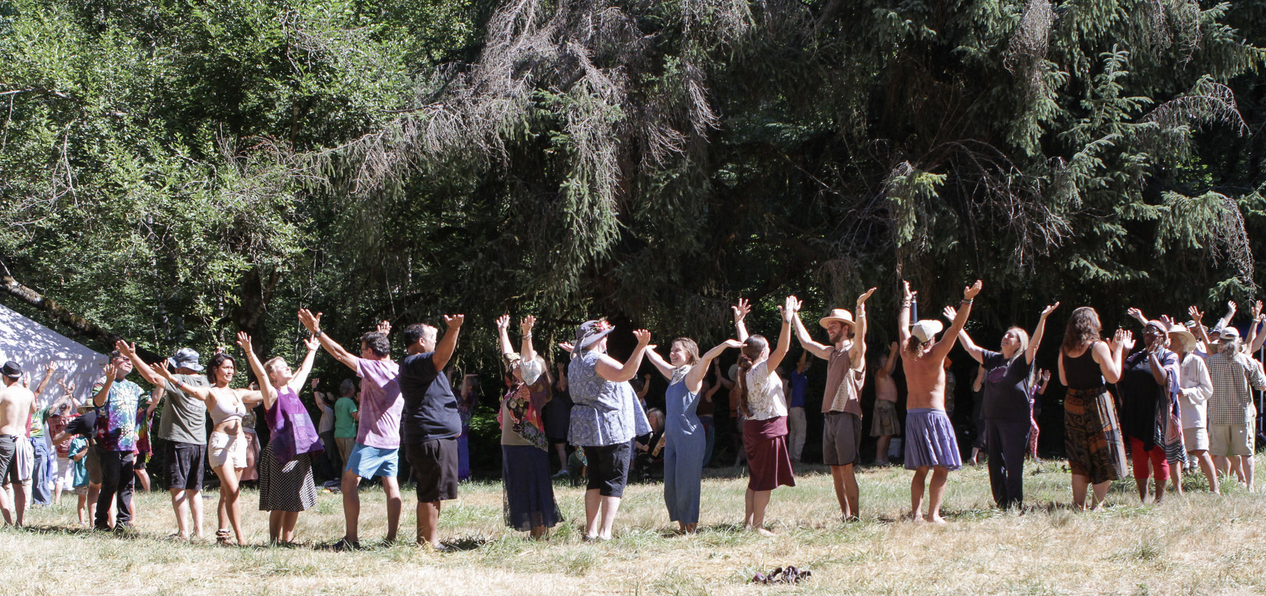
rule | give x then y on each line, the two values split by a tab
77	452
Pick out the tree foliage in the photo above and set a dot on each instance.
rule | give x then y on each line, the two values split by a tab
177	170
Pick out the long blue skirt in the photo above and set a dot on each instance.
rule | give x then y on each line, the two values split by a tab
529	492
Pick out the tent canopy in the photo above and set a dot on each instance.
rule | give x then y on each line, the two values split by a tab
34	346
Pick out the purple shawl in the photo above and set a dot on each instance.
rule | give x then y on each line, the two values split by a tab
292	430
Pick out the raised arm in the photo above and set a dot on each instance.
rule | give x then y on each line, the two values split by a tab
610	369
444	351
48	376
903	314
890	363
943	347
663	366
740	313
857	353
1110	355
164	377
313	324
694	378
806	341
129	352
1230	314
266	389
784	335
526	350
1038	332
977	353
1137	315
103	393
301	376
503	335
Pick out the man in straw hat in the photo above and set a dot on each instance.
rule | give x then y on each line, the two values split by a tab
1195	388
841	404
931	444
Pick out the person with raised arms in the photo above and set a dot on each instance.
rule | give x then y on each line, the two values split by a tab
182	427
286	487
430	421
931	444
377	448
529	492
226	452
841	404
684	434
1092	431
763	404
605	418
1007	411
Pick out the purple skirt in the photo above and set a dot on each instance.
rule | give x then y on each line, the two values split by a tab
930	440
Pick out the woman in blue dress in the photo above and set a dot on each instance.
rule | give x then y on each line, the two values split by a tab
683	433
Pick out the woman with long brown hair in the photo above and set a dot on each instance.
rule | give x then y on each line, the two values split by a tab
1092	431
764	406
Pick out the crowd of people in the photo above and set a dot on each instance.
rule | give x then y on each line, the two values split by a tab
1182	400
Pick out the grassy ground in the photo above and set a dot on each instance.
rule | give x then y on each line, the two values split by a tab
1196	544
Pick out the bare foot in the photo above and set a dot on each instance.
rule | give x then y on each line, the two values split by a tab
764	532
917	517
936	519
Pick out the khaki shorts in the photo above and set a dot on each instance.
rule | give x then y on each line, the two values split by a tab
1231	439
226	449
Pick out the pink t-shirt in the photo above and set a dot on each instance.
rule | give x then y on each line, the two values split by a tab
380	403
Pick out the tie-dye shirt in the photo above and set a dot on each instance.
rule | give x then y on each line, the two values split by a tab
116	424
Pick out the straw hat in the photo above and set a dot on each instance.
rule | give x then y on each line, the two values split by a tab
1180	334
840	315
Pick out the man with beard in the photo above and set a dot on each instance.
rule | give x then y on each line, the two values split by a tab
841	404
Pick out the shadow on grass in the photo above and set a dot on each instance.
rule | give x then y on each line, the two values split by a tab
465	543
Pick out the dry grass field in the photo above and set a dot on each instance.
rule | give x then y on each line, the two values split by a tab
1196	544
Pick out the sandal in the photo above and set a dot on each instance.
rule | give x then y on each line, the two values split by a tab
222	537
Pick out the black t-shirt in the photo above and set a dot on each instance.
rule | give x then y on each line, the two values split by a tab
430	408
84	426
1006	387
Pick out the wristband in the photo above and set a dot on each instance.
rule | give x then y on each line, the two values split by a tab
317	333
966	301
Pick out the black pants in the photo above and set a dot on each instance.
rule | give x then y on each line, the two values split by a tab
1005	442
117	478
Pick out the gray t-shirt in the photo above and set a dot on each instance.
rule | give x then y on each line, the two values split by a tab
184	416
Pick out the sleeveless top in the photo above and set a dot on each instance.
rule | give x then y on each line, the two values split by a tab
605	413
292	431
1082	372
219	413
681	417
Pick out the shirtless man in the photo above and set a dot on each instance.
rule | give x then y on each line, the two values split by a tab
16	405
841	404
930	440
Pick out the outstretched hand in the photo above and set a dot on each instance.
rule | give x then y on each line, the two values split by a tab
454	321
503	323
643	337
161	369
740	310
310	321
906	294
124	348
793	304
949	313
1195	313
1167	321
526	325
384	327
244	341
111	371
566	346
729	343
970	291
861	300
1125	339
1046	375
1046	312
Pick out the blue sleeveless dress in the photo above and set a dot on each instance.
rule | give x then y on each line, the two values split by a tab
683	451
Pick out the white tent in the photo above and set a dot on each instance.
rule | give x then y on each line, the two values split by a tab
33	346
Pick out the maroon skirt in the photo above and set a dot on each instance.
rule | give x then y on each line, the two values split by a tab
767	455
